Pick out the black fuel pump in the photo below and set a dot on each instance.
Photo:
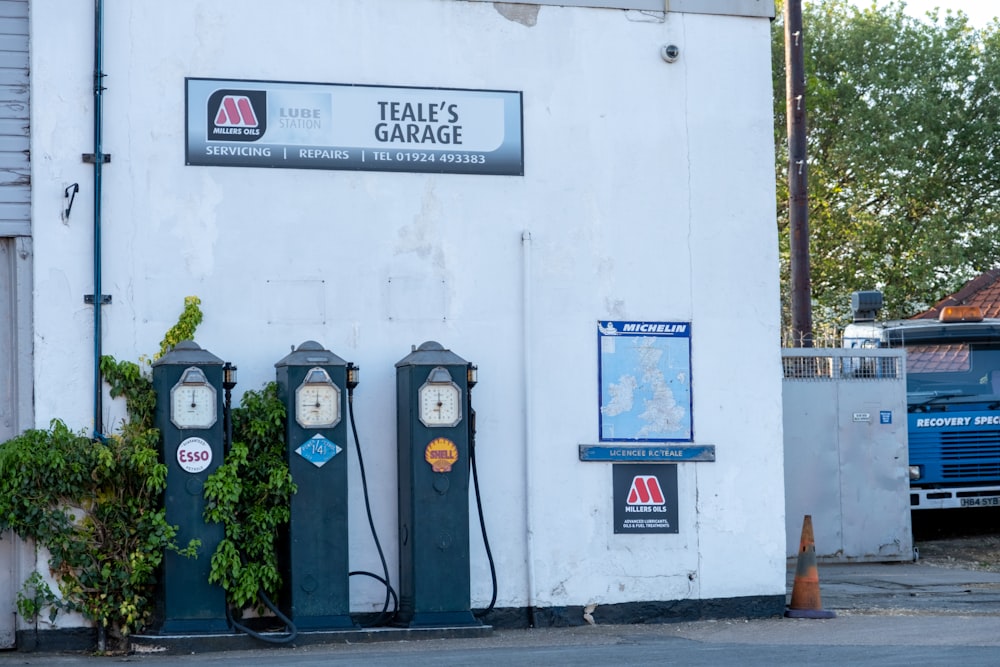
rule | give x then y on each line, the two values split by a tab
311	383
433	442
188	383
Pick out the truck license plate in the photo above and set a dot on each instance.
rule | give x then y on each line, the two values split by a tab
978	502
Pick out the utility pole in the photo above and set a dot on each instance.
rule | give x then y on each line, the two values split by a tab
798	176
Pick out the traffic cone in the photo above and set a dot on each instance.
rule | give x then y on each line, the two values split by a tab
805	591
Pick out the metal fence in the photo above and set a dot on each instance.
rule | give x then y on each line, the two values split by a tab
826	364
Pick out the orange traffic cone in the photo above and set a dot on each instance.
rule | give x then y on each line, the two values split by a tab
805	591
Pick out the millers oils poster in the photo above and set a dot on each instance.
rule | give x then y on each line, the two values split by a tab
645	498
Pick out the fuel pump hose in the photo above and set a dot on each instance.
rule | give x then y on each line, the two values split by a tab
479	507
385	615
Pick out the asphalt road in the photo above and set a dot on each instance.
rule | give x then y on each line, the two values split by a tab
886	640
888	614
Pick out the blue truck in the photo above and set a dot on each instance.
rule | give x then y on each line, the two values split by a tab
952	373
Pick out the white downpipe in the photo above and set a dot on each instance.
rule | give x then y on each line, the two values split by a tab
526	324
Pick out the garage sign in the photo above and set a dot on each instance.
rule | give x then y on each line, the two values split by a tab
241	123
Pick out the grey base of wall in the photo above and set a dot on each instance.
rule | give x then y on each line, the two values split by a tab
509	618
54	641
675	611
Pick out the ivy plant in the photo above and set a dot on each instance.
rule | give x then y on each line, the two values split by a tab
96	504
35	596
185	327
249	494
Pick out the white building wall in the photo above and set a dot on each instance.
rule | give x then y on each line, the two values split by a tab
648	194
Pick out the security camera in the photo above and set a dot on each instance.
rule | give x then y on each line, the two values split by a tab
670	52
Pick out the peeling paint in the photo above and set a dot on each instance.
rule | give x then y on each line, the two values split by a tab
524	14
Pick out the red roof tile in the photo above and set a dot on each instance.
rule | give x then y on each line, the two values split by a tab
982	291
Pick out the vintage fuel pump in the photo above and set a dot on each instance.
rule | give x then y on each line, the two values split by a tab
433	432
187	381
311	383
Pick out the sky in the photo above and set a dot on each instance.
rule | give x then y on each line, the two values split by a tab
980	12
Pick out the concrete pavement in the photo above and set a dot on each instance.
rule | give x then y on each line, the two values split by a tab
907	588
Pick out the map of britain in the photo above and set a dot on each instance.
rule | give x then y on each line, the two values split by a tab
645	377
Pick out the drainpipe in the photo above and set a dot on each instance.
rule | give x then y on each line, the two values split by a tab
98	164
527	324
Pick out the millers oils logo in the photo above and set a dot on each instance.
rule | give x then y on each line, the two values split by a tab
237	115
645	495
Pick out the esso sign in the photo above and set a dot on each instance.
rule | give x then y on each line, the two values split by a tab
194	455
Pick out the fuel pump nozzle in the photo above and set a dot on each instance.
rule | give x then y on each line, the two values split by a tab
353	373
228	383
471	379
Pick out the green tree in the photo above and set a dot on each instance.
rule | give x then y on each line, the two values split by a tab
903	121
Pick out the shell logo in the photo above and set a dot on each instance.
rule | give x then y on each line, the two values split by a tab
442	454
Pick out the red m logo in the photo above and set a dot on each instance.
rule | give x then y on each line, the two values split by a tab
236	111
645	491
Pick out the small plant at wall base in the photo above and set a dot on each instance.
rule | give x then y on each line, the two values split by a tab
36	596
250	495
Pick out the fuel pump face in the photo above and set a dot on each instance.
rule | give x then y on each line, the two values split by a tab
317	400
439	400
192	401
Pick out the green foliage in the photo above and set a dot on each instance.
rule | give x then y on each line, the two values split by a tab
95	506
128	379
35	596
903	120
250	495
186	324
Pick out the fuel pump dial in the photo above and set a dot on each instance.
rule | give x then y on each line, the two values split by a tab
317	400
439	400
192	401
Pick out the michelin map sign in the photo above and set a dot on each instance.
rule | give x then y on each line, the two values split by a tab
240	123
645	381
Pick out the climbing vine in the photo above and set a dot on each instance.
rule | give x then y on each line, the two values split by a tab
186	324
249	494
96	504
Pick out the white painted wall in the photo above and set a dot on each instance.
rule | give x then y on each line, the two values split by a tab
648	194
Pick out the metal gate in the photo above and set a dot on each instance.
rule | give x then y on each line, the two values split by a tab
15	404
8	324
846	455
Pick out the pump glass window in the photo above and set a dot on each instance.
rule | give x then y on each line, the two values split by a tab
317	400
192	400
439	400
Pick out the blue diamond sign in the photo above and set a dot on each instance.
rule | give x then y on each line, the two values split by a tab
318	450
